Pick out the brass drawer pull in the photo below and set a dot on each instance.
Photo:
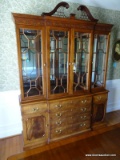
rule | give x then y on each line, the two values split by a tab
83	117
59	122
99	98
83	109
35	109
82	124
58	131
58	106
84	101
58	114
43	135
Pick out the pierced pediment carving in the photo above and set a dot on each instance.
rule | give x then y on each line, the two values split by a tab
58	11
85	14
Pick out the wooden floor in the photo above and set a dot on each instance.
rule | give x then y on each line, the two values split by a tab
73	148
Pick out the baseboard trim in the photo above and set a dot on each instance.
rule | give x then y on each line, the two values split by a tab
10	130
113	107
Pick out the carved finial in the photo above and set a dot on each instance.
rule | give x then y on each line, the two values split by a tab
86	15
59	13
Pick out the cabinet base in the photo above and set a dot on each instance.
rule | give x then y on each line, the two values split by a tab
31	146
99	125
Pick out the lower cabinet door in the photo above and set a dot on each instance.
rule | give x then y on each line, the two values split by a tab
99	108
98	112
35	130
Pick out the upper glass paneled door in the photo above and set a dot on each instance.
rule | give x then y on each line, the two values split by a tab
99	61
31	57
80	65
58	62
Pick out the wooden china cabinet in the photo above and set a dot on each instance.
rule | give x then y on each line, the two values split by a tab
62	68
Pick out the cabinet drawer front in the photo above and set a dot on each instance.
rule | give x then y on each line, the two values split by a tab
59	106
66	121
54	123
78	118
60	114
83	109
58	132
69	104
101	98
79	127
83	101
34	108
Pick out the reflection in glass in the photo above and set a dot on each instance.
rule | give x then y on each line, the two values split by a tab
58	61
31	61
99	59
80	68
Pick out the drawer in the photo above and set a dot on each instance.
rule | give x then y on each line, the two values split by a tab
55	123
60	114
82	101
56	106
34	108
83	109
79	127
101	98
66	121
58	132
78	118
69	104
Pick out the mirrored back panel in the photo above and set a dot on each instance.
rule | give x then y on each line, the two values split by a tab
58	62
99	61
80	66
31	56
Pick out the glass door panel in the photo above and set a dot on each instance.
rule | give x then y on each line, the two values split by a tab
80	68
99	61
58	61
31	56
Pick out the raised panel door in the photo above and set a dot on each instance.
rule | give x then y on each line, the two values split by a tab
35	130
99	108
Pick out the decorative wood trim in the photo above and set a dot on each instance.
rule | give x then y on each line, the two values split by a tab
86	10
66	24
30	22
61	4
103	27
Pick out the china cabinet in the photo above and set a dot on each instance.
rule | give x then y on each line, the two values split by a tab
62	67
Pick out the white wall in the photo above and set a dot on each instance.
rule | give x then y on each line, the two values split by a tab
10	115
114	95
